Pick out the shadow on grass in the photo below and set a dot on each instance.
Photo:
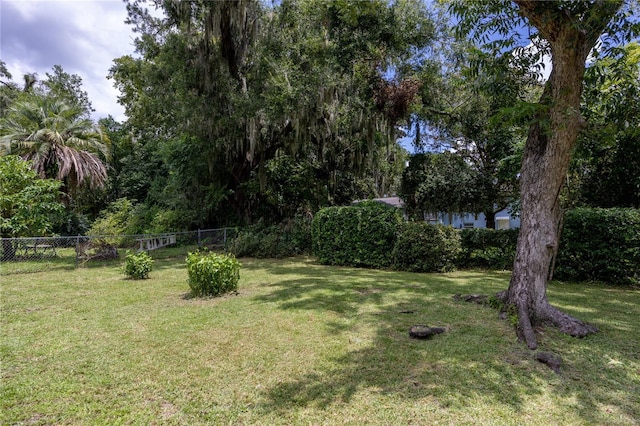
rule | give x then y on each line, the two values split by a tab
477	359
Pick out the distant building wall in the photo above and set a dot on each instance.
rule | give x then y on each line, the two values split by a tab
504	220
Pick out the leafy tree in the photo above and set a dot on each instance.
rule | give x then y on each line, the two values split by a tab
439	182
67	88
28	204
463	110
58	85
605	171
57	140
8	90
221	89
569	30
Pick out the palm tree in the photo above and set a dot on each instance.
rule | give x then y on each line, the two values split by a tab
57	140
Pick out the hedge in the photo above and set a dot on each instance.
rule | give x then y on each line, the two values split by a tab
422	247
361	235
596	244
600	245
488	248
286	239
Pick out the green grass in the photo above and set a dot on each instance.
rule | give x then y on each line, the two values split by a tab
302	344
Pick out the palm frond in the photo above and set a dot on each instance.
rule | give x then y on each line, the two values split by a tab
58	141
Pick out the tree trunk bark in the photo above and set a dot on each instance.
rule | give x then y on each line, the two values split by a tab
544	166
490	215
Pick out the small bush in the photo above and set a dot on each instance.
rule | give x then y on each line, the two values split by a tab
488	248
422	247
138	265
360	235
116	221
212	274
601	245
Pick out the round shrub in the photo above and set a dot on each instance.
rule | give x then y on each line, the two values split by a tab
422	247
138	265
212	274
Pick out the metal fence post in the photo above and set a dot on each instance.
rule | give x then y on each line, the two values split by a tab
199	238
77	249
225	239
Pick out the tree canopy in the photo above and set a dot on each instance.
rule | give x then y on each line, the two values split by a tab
28	204
605	171
225	90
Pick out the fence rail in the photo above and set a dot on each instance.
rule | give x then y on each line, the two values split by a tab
76	250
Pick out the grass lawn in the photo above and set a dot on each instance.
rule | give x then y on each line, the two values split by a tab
303	344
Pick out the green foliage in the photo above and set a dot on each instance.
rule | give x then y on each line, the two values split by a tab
115	220
509	311
28	204
359	235
495	302
297	124
600	244
422	247
440	182
212	274
512	314
605	171
290	238
138	265
67	88
488	248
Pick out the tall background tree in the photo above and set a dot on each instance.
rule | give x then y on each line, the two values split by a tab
568	30
440	182
462	116
228	95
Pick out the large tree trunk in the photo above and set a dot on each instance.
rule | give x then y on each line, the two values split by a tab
544	166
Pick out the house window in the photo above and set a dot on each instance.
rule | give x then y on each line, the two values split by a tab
503	223
430	217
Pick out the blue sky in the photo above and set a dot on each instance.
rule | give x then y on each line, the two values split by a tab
83	36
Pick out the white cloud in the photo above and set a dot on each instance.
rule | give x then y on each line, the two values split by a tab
543	66
83	36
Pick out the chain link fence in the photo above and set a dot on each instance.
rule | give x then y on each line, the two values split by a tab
19	255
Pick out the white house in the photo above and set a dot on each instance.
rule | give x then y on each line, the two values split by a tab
504	219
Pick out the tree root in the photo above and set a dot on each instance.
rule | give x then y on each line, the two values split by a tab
568	324
525	329
550	315
543	315
550	360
